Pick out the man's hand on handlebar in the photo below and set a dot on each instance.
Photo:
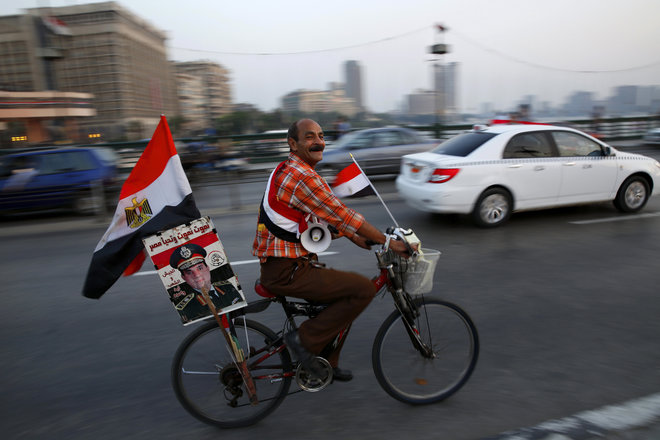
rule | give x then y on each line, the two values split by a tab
402	248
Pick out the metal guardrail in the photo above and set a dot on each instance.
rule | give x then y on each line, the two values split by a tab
262	150
271	147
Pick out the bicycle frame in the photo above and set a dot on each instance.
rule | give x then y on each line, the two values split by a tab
385	279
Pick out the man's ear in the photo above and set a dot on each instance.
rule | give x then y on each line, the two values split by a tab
292	144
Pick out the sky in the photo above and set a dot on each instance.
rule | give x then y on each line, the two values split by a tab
505	49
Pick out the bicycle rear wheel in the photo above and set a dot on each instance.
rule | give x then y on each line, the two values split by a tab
209	386
406	374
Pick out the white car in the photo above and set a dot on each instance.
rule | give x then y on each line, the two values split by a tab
490	172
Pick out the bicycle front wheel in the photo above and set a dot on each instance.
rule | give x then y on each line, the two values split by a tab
411	376
210	387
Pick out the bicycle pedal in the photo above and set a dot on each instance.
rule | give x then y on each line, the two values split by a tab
316	380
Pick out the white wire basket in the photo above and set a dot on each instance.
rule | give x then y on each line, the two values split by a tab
418	275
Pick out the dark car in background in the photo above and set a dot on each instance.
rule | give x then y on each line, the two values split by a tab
377	150
78	179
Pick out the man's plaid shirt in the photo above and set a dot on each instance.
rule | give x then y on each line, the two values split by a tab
300	187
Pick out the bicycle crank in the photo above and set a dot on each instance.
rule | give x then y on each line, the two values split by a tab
310	382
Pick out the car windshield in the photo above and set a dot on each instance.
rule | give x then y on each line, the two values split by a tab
463	144
345	139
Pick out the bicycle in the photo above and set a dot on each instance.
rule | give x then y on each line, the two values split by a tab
424	351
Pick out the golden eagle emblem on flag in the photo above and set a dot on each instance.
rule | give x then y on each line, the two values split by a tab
138	214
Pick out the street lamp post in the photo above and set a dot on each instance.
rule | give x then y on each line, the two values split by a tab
440	80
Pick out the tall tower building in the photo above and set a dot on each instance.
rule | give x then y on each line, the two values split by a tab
353	73
445	86
98	48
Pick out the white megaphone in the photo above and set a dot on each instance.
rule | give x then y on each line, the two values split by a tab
316	237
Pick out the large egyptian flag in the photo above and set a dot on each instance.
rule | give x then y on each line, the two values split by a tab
351	182
156	196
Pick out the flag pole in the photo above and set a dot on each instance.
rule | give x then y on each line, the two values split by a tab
236	350
375	191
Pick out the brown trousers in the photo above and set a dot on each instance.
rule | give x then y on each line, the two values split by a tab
347	294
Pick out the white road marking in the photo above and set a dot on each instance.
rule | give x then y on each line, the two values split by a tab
235	263
636	413
616	219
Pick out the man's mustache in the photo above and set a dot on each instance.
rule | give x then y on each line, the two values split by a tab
316	148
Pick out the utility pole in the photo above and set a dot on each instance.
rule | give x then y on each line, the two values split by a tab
439	77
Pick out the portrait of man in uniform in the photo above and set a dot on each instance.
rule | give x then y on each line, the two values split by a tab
190	260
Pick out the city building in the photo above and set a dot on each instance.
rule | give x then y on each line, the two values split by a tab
445	86
33	108
191	96
321	101
216	89
99	48
421	102
353	74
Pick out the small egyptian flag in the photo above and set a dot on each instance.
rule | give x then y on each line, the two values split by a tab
351	182
156	196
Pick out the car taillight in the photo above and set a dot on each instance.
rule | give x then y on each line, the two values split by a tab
442	175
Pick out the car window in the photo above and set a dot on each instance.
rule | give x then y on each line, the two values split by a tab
525	145
463	144
409	138
107	155
65	161
17	164
573	144
387	138
364	140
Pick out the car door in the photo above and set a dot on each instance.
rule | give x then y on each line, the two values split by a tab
532	170
60	176
387	150
587	175
362	149
17	173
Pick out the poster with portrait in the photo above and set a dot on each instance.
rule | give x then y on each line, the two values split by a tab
191	257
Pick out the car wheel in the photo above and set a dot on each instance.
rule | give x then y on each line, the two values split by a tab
493	208
633	194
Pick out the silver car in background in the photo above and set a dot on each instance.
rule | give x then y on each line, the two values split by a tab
377	150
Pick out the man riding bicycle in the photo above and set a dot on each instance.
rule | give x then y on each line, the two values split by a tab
295	190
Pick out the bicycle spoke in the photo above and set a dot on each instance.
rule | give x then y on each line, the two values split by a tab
208	383
405	373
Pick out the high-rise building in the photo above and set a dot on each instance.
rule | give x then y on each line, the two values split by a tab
98	48
445	86
216	87
353	73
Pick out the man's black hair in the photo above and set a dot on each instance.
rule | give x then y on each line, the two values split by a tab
293	131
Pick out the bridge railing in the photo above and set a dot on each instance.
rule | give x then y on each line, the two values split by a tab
261	148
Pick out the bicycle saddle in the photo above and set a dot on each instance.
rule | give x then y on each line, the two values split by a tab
261	290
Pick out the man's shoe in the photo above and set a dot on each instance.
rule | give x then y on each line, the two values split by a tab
292	340
341	375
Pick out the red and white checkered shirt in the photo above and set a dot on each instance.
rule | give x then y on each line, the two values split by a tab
300	187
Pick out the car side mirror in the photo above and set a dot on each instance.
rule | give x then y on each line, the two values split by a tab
607	151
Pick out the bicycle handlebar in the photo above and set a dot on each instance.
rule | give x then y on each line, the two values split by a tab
398	234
